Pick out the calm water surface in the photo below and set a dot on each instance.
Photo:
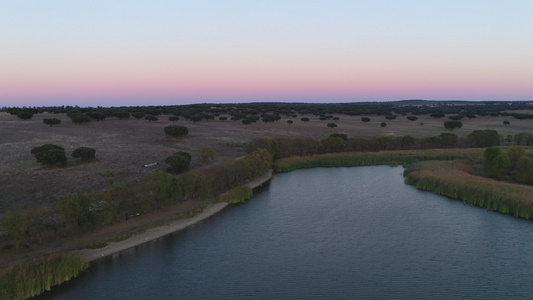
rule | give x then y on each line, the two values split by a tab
337	233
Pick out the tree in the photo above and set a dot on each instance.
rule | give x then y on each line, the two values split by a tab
178	162
96	115
49	154
451	125
173	118
332	125
524	170
85	153
25	115
25	225
176	130
79	118
484	138
122	114
138	115
412	118
383	124
51	122
151	118
289	122
206	153
365	119
304	119
506	123
514	153
495	162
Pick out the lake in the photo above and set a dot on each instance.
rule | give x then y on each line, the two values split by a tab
327	233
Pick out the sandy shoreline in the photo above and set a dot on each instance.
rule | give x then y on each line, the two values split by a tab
158	232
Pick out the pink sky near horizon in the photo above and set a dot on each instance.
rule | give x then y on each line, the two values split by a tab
133	53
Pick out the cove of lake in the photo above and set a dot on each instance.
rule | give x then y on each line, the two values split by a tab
327	233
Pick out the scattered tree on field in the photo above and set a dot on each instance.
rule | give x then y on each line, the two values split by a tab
176	130
122	114
25	115
332	125
178	162
412	118
85	153
98	116
451	125
304	119
289	122
51	122
49	154
173	118
79	118
383	124
506	123
138	115
365	119
151	118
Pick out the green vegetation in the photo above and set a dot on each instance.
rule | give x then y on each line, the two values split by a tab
49	155
85	153
451	125
25	280
206	153
151	118
236	195
25	225
176	130
25	115
51	122
454	179
353	159
178	162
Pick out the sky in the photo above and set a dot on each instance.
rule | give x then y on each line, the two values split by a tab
113	53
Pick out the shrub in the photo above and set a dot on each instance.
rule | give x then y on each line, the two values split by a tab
176	130
85	153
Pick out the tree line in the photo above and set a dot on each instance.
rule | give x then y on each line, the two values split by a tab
84	212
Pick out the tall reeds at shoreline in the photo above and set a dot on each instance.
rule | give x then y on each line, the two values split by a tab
353	159
453	179
25	280
236	195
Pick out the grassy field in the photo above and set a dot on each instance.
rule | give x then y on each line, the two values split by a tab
123	147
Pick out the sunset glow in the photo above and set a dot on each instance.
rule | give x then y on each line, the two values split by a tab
179	52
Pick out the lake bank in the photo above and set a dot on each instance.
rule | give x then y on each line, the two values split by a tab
160	231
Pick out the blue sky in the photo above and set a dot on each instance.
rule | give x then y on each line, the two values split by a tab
172	52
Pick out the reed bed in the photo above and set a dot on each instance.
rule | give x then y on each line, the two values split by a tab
354	159
27	279
453	179
236	195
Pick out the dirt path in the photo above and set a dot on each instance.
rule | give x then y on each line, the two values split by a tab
151	234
